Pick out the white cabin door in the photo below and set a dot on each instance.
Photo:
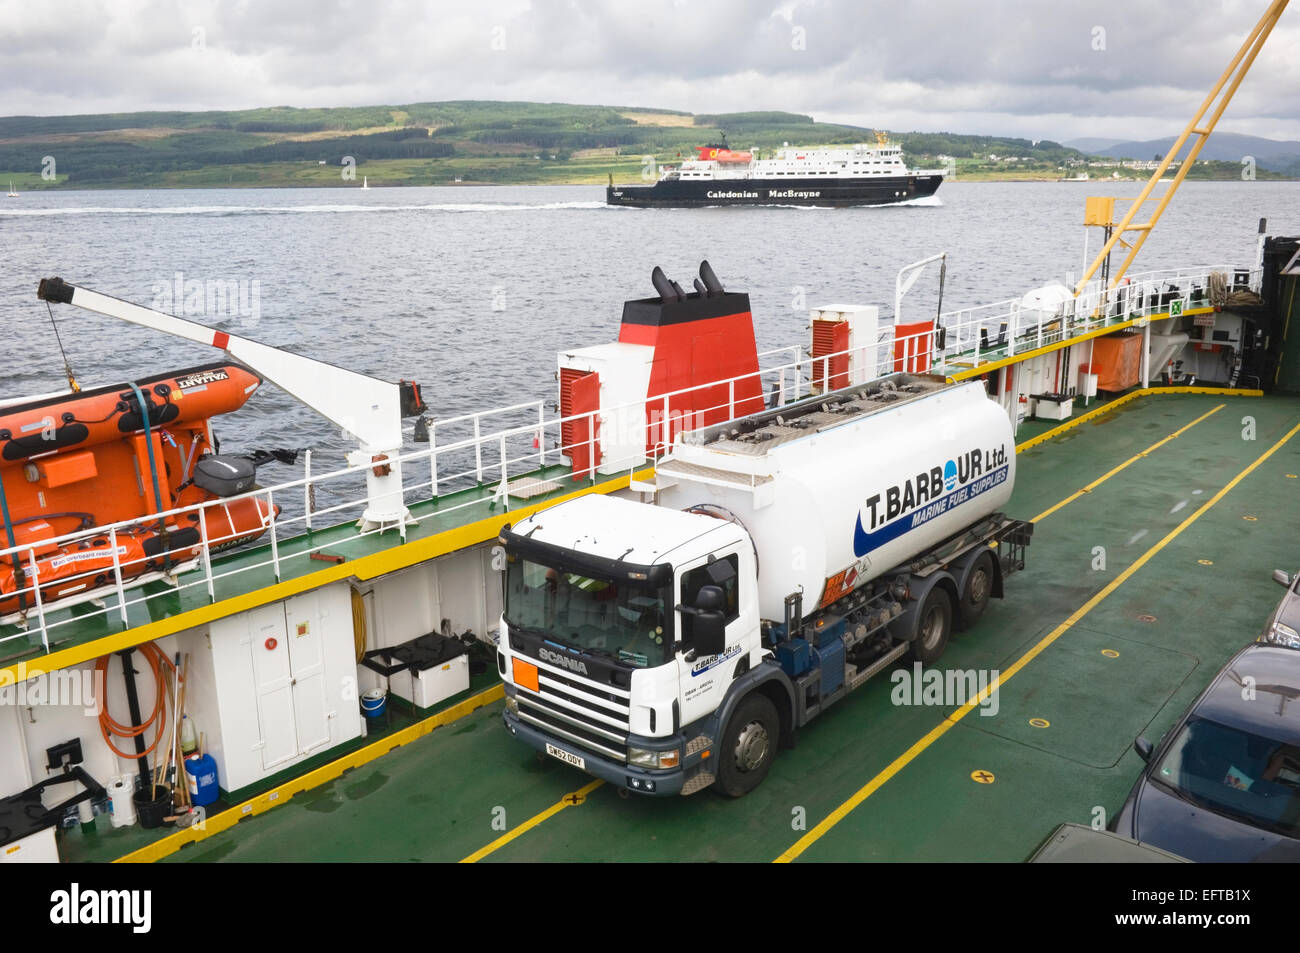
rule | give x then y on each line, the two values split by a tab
273	681
307	670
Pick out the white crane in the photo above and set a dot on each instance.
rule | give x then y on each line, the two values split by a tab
365	407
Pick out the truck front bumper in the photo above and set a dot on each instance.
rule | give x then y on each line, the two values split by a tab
627	777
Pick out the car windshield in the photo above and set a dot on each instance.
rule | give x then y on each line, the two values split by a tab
619	618
1235	772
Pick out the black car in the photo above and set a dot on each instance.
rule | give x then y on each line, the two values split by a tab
1283	627
1224	783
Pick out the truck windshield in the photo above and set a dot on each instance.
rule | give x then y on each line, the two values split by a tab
1235	772
618	618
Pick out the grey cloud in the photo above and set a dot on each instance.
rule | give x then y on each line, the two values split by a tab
1004	66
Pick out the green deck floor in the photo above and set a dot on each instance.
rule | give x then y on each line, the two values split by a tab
1209	590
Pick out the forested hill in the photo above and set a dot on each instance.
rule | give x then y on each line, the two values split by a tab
427	144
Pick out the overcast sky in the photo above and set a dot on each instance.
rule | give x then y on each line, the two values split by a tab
1055	70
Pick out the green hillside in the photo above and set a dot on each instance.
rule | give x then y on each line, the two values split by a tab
438	144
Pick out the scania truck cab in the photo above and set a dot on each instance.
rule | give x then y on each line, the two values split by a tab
618	655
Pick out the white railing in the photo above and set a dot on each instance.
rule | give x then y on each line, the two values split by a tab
461	455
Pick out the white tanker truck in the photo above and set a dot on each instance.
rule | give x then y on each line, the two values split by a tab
792	555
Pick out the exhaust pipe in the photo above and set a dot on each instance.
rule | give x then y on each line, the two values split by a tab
710	280
667	293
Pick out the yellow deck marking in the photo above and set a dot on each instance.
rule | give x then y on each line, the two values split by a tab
935	733
1110	653
328	772
1131	460
982	777
1040	722
569	800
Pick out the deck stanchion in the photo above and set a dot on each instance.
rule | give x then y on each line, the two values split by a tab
207	555
117	571
1146	356
731	399
36	594
433	464
306	489
541	434
275	543
478	451
505	487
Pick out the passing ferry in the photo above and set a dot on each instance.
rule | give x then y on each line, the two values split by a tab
841	176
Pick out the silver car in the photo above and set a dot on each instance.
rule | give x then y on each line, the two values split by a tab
1283	627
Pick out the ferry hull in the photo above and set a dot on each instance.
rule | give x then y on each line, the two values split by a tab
811	191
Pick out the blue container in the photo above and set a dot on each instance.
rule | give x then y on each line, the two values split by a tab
201	771
374	702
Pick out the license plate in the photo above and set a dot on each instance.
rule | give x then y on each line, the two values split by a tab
567	758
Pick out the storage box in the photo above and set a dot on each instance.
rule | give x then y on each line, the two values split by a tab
1053	406
432	685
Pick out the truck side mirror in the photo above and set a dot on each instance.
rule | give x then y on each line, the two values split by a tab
1281	578
709	629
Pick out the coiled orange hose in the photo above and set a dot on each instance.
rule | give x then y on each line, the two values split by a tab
109	726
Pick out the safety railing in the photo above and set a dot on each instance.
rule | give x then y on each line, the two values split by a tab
485	451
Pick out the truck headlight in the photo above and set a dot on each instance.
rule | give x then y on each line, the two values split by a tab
512	704
1282	634
645	758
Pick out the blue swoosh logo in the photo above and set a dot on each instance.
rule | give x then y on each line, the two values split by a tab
864	542
861	541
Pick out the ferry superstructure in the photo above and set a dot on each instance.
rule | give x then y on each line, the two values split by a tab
821	176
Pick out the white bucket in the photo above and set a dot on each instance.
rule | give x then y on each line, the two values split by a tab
120	806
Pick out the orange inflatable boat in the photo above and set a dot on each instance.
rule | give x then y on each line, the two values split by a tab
79	460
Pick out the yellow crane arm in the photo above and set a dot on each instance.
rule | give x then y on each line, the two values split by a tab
1199	127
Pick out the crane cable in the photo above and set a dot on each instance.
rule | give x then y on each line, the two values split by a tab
108	726
67	368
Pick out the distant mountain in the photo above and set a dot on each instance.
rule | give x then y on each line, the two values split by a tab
1278	156
1092	146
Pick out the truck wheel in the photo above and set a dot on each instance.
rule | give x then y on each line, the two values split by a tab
975	595
933	625
748	746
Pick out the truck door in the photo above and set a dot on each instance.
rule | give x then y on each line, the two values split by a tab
703	680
